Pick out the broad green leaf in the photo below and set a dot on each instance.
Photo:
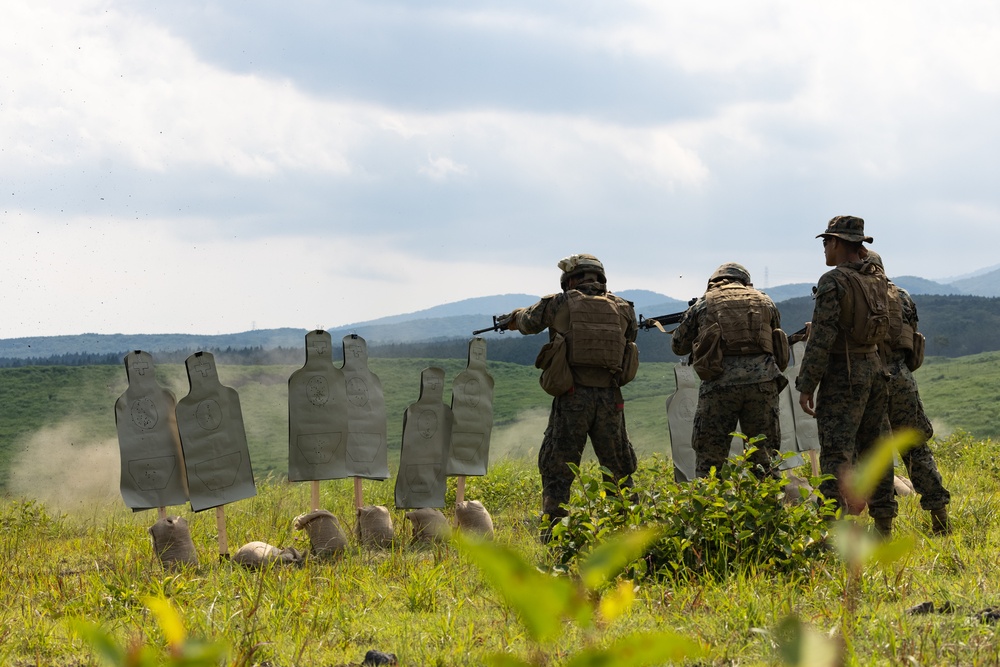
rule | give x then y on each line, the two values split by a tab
853	543
100	641
617	601
168	619
652	648
607	560
887	553
542	602
801	645
871	468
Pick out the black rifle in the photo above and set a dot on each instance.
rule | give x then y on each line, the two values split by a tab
648	323
798	335
500	323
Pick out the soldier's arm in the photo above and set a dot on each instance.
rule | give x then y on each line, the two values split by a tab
825	325
687	331
536	318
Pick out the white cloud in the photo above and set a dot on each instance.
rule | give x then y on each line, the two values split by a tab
442	168
664	137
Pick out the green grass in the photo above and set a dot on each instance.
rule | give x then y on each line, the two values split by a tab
432	607
68	409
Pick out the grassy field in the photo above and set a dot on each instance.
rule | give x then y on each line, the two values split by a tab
433	607
67	413
73	551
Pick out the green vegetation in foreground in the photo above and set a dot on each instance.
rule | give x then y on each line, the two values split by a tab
447	606
75	405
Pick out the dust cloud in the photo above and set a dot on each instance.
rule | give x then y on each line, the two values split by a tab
941	429
521	439
58	468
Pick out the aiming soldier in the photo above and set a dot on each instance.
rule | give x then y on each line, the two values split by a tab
591	353
733	330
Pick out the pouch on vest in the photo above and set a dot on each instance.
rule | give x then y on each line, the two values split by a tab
630	364
556	378
779	348
915	357
706	353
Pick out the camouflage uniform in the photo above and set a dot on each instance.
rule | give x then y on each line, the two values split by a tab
853	392
906	410
594	406
746	392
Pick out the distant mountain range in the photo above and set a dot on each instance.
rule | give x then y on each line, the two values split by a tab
445	322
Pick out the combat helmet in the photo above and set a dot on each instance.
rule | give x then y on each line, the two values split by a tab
575	265
874	258
733	271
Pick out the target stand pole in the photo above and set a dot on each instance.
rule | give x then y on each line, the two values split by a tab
359	501
220	524
315	495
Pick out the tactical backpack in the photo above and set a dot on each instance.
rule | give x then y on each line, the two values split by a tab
896	336
865	323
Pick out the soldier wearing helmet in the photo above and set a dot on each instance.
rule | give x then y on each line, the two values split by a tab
850	321
903	355
731	333
591	353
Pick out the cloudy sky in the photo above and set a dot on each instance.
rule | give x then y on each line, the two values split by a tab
211	167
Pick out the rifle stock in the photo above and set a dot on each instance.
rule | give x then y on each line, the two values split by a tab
798	335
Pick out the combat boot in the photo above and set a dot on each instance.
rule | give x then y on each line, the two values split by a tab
883	527
939	522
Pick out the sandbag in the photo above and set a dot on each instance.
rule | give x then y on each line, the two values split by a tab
473	518
374	526
902	485
172	542
256	555
429	525
325	534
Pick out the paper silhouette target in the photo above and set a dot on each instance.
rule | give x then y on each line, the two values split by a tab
367	454
318	415
472	412
152	463
427	425
210	422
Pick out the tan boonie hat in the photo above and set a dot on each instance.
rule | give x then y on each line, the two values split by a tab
847	227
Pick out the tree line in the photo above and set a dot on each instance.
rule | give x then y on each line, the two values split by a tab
955	326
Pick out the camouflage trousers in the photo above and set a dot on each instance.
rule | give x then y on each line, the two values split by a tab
850	416
754	406
597	412
906	410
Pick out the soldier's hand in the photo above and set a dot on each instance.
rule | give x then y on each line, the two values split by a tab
806	402
512	319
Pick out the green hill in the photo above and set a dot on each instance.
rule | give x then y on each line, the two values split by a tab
63	417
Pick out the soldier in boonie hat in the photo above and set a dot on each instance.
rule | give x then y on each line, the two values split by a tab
847	227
